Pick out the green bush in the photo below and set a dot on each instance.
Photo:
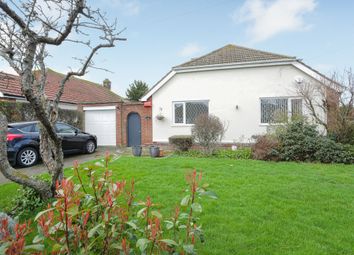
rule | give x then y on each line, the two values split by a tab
181	142
16	112
298	141
331	152
26	201
191	153
244	153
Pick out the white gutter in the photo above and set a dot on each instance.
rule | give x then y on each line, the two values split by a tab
158	85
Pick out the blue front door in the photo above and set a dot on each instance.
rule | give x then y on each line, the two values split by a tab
134	129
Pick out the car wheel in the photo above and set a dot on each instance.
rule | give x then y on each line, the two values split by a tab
27	157
90	147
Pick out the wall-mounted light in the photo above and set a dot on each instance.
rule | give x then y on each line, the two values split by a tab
236	107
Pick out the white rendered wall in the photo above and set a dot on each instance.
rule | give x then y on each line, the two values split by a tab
224	89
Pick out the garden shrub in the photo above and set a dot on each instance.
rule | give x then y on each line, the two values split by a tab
109	220
298	141
10	224
331	152
266	147
181	142
192	154
244	153
16	111
26	201
208	132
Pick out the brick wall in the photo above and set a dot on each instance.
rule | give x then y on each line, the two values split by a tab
146	121
122	112
332	98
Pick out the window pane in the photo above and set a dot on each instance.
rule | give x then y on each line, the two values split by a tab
27	129
274	110
178	113
296	108
194	109
62	128
36	128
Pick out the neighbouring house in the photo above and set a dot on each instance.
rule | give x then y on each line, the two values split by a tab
114	120
245	88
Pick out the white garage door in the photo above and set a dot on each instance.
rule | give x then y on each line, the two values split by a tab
101	121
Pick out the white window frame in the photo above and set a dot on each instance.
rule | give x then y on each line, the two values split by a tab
183	102
289	109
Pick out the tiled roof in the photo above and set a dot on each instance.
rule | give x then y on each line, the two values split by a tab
75	91
230	54
10	84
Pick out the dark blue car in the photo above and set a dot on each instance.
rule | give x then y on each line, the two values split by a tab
23	142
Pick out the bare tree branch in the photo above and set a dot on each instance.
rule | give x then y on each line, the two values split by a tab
335	97
26	28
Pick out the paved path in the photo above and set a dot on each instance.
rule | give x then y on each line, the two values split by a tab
68	161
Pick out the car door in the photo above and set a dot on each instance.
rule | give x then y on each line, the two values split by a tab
71	142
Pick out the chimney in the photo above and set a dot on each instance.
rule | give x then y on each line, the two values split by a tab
107	84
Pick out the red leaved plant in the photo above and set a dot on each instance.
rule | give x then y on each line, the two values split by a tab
102	217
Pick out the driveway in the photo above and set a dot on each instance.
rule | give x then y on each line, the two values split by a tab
68	162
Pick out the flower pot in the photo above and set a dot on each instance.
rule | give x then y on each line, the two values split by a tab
162	154
154	151
137	151
160	117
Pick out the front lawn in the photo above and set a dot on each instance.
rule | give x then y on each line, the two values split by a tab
263	207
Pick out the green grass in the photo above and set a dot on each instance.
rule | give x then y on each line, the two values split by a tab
263	207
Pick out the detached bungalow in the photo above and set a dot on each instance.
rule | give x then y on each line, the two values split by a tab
245	88
114	120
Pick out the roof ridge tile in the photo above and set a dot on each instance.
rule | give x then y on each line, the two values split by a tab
232	53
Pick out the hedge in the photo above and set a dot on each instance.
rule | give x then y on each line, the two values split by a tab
16	112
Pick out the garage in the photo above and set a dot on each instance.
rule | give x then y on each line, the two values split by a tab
101	121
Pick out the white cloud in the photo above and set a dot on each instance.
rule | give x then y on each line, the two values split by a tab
190	50
266	19
129	7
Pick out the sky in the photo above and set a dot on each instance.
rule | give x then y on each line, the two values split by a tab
164	33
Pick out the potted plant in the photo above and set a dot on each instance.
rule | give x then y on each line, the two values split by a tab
160	116
154	151
137	150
